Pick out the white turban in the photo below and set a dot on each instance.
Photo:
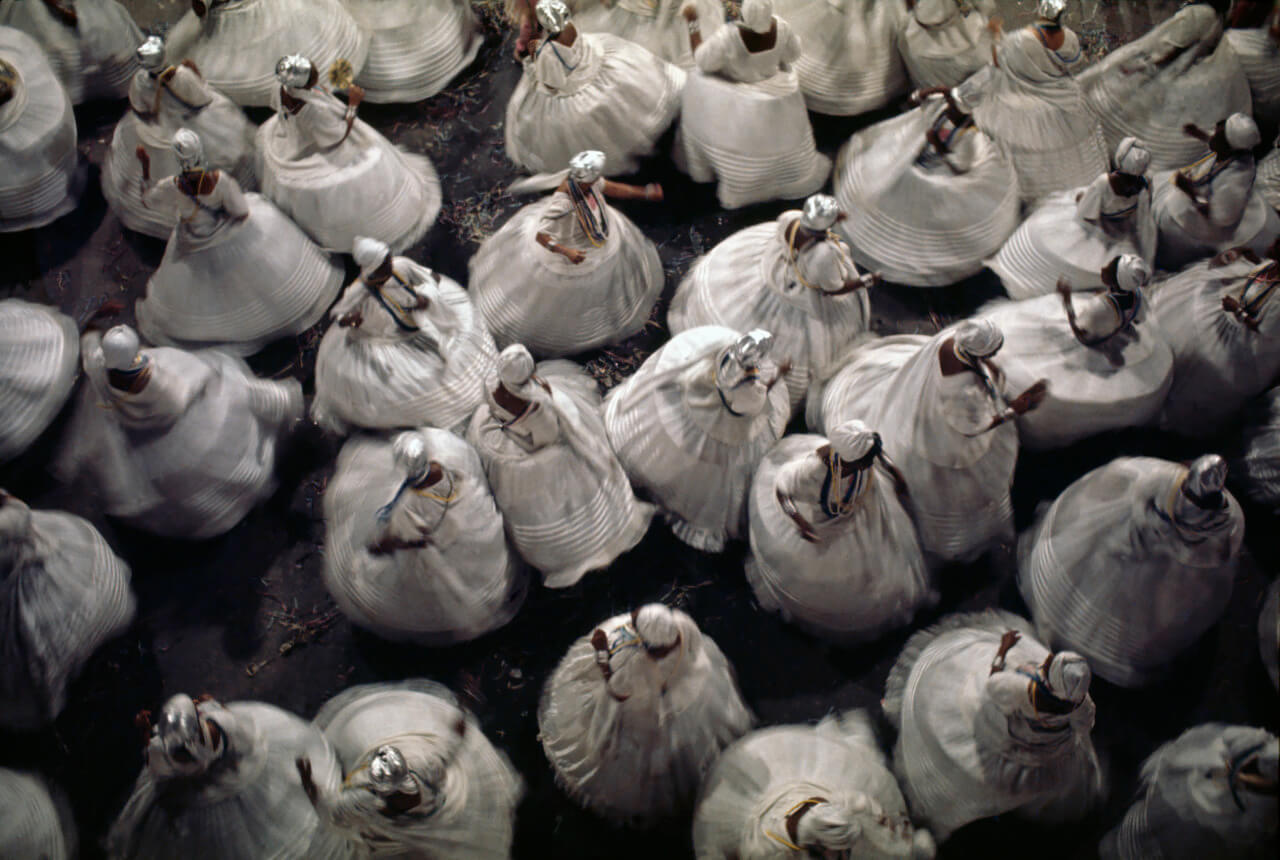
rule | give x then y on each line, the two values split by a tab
827	826
1132	273
1069	676
853	440
1132	157
757	15
120	348
656	626
979	338
1242	132
369	253
515	365
410	452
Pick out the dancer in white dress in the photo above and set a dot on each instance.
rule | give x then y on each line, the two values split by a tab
792	276
849	61
64	593
1224	330
1134	528
654	25
162	99
1107	360
235	42
237	273
39	363
636	712
569	273
422	780
743	122
818	791
1074	234
1210	792
1031	104
1256	469
940	408
334	174
180	444
691	425
38	157
568	505
929	197
945	41
588	91
1254	35
1182	71
405	349
35	820
1213	205
89	43
220	781
414	547
415	47
991	722
833	547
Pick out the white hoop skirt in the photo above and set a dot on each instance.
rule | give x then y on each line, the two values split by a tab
64	593
1187	236
94	59
463	585
867	575
619	99
1256	471
919	225
529	295
253	282
1259	55
237	43
35	821
655	25
1092	390
38	156
945	54
1107	575
39	363
415	47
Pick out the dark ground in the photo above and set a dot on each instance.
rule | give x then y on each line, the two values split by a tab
246	616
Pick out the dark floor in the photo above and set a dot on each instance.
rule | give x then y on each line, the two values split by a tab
246	616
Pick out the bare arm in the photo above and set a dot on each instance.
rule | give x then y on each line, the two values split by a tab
621	190
690	14
788	506
1064	290
573	255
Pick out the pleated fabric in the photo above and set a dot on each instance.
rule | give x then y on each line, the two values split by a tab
35	820
39	363
1268	178
655	25
1269	633
1256	468
38	156
1241	219
1259	56
477	789
94	59
942	42
416	47
1109	575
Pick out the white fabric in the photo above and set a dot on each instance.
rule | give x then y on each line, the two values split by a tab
760	778
1256	471
475	786
1238	216
229	280
970	742
1092	389
655	25
38	156
463	583
634	748
1123	571
237	43
94	59
250	805
63	593
568	506
672	429
1268	178
602	93
959	484
158	109
39	363
911	216
338	185
1269	633
866	576
944	41
749	281
1259	56
379	376
1219	363
850	62
33	821
743	122
415	47
1074	234
529	295
190	454
1181	71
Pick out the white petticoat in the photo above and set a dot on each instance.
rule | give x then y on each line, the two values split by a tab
415	46
867	575
655	25
237	43
95	58
39	363
38	156
36	822
532	296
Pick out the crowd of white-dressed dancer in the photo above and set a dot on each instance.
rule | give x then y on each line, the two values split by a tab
1128	206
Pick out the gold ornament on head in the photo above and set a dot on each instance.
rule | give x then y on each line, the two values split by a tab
341	74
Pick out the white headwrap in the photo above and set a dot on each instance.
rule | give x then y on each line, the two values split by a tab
1132	273
656	626
515	365
410	452
1069	676
120	348
1242	132
979	338
757	15
853	440
188	149
369	254
1132	157
827	826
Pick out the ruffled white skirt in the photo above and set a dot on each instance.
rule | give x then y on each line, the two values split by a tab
95	58
1259	55
39	363
531	296
945	55
37	821
415	47
664	34
1187	236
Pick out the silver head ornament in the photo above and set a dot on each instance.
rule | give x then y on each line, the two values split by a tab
753	347
181	734
294	70
120	348
515	365
188	149
853	440
979	338
410	453
150	53
1207	477
587	166
1132	273
553	16
820	212
388	771
1051	10
1069	676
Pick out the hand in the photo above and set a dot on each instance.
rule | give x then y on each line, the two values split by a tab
995	25
1192	130
599	640
355	95
653	192
1226	258
808	534
915	98
351	320
689	13
142	154
784	368
308	781
871	279
1064	288
422	303
1031	398
573	255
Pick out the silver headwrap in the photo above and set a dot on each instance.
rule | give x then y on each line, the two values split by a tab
1207	476
587	166
188	149
515	365
1242	132
388	771
553	16
410	452
1132	157
150	53
369	254
962	97
120	348
853	440
179	725
1069	676
1051	9
757	15
1132	273
293	70
979	338
753	347
656	626
820	212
